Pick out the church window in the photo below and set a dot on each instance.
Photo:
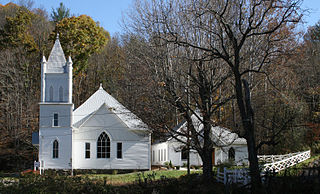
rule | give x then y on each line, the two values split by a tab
87	150
55	120
184	154
103	146
55	150
51	94
119	150
60	94
231	154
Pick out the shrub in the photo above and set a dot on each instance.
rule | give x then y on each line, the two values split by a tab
170	164
114	172
166	164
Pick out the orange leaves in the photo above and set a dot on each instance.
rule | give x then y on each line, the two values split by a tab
81	37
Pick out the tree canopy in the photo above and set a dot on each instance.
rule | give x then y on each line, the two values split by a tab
81	37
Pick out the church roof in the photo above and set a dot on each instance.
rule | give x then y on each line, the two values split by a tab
220	135
57	60
100	98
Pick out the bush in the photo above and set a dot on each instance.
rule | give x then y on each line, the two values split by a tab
227	164
166	164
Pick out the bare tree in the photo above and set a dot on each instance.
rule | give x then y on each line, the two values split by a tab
219	33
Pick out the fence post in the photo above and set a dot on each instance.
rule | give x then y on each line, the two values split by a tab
225	175
218	171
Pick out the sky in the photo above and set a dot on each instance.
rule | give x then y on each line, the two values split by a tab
109	12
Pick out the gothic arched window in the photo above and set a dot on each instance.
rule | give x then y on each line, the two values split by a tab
61	94
51	94
103	146
231	154
55	150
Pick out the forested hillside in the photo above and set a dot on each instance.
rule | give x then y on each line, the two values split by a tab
285	98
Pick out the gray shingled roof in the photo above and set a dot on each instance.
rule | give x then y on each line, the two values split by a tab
221	136
57	60
100	97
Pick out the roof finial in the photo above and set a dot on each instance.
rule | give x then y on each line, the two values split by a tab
69	59
57	36
100	88
43	59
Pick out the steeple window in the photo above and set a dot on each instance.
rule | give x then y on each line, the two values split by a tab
61	94
51	94
55	120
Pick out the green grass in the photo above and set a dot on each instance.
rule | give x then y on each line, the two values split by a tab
120	179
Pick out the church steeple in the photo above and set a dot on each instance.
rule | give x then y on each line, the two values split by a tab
56	76
57	60
56	109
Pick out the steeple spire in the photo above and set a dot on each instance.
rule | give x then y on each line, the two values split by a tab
56	60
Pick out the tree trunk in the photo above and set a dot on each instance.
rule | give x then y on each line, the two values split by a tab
207	149
247	118
207	163
253	159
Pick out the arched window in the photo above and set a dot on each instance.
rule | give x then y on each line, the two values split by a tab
184	153
55	150
103	146
51	94
231	154
61	94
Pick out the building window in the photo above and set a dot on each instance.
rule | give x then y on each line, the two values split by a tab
55	150
55	120
61	94
158	155
119	150
51	94
164	155
231	154
184	154
87	150
153	156
103	146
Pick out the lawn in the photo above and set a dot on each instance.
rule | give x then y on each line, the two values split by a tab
120	179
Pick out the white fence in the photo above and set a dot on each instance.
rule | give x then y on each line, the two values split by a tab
281	162
287	162
239	176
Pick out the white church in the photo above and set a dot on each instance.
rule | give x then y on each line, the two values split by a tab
99	134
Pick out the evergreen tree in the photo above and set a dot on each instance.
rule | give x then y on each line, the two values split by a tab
59	13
